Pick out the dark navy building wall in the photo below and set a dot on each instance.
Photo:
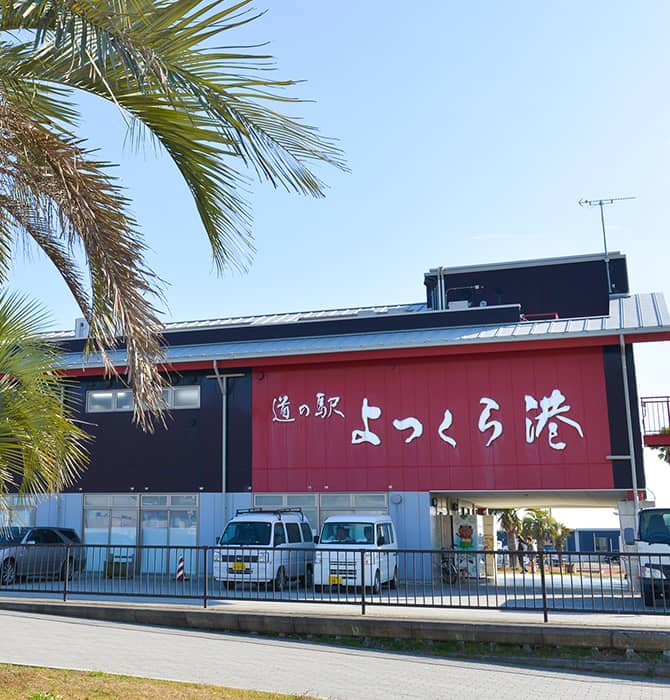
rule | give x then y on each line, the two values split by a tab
570	288
185	457
238	437
616	406
587	540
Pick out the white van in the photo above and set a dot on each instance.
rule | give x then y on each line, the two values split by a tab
270	547
349	542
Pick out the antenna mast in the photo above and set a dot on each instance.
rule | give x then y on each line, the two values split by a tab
602	203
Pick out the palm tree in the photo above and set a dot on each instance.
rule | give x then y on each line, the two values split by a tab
511	523
535	526
41	448
663	452
559	534
214	110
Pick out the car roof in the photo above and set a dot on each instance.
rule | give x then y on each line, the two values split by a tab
270	516
358	518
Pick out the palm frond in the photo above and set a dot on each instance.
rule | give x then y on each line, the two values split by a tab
42	450
214	110
59	196
137	53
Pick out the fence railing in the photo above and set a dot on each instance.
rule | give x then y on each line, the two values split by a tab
655	414
567	581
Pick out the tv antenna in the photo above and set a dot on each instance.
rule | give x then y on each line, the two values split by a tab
603	203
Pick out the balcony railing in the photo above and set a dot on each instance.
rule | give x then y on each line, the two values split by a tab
655	415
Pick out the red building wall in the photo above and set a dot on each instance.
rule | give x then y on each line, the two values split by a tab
306	442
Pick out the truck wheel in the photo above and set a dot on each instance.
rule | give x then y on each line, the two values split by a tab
8	572
309	577
280	580
394	582
376	584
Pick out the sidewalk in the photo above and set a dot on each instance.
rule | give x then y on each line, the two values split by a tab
629	633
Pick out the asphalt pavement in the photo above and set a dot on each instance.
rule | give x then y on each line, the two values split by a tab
288	666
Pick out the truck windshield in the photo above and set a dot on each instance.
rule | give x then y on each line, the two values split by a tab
347	533
246	533
655	526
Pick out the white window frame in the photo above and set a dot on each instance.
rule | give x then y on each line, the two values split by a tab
168	399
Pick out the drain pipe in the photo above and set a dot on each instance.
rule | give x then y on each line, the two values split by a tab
222	381
629	425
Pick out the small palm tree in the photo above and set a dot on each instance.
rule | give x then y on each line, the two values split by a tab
214	110
535	526
559	534
510	522
41	448
664	452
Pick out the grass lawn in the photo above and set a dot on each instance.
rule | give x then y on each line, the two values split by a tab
32	683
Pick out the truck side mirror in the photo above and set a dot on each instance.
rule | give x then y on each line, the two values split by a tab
218	538
381	541
628	535
316	539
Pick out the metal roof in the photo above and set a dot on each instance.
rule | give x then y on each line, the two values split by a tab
638	314
276	319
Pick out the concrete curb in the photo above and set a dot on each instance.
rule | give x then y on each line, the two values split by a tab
547	635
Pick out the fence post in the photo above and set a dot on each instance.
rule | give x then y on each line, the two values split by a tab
362	582
206	576
544	587
67	572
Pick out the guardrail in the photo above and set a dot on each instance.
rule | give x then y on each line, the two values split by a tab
567	581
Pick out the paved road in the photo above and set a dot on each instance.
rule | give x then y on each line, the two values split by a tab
291	667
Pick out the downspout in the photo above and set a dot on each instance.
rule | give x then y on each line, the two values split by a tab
222	381
629	425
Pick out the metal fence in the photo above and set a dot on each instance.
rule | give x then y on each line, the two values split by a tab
567	581
655	414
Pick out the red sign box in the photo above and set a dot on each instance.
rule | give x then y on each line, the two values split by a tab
502	421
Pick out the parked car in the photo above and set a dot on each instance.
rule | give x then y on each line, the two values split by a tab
39	552
269	547
350	542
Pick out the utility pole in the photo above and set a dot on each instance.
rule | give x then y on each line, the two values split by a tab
602	203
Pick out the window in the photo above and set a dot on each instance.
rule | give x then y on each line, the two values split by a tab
186	396
280	536
293	532
98	401
602	544
121	520
317	507
124	400
306	532
109	400
245	533
387	533
19	511
43	536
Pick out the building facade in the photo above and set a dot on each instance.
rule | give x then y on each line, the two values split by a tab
512	385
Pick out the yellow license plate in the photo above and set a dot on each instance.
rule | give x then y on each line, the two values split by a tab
335	580
239	566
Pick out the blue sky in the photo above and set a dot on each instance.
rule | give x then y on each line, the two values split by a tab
471	130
